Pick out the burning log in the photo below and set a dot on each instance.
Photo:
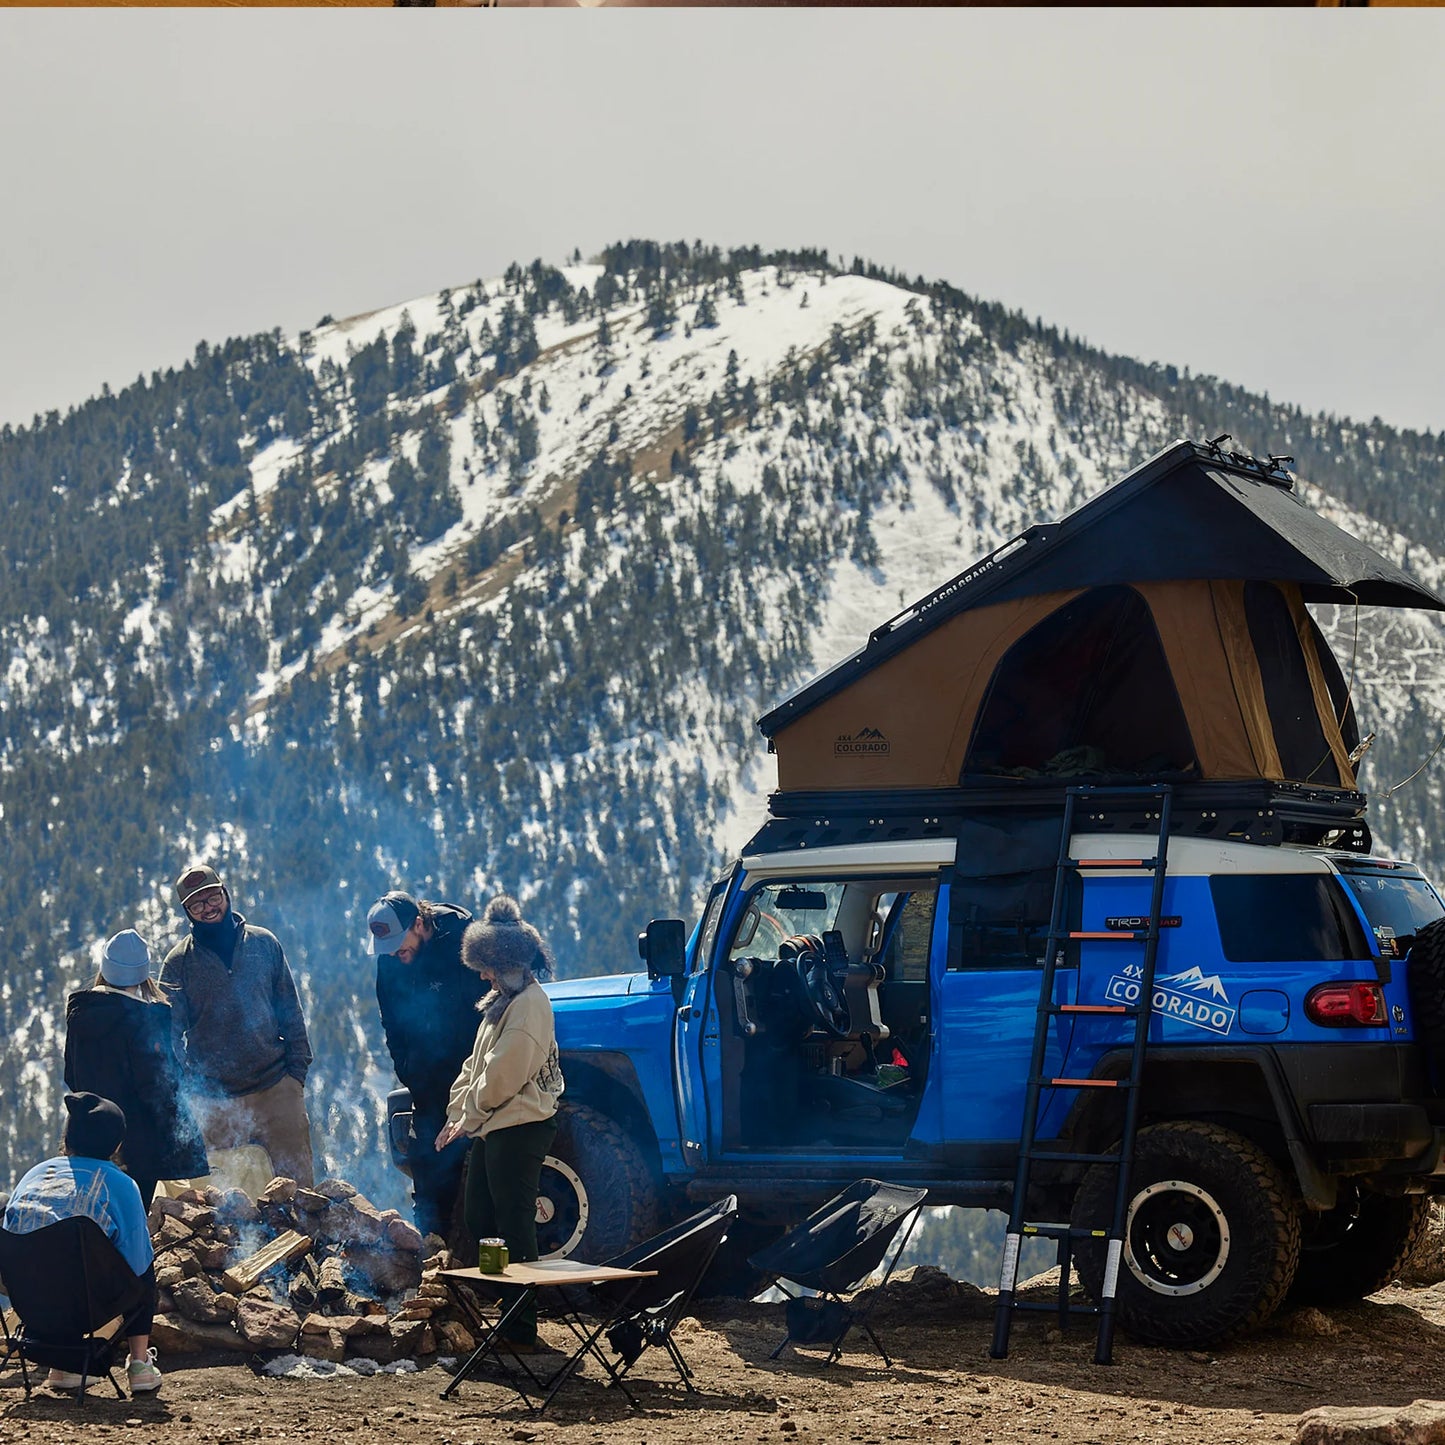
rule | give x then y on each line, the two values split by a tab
282	1250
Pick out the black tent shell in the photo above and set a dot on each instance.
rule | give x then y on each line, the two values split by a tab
1191	512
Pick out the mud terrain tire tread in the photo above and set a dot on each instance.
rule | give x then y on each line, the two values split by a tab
1264	1223
1427	984
622	1196
1382	1239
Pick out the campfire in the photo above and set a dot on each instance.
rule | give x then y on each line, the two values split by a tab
321	1272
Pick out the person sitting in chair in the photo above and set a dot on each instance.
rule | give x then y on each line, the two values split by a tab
84	1179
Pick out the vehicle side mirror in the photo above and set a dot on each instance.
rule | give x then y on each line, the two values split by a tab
663	948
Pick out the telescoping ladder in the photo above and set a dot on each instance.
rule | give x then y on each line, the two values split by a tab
1019	1227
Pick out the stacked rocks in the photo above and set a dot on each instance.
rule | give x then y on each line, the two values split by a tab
321	1272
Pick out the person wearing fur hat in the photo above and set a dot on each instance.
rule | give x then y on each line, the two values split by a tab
428	1000
505	1097
118	1045
84	1179
239	1032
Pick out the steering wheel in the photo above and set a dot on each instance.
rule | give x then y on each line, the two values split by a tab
824	1001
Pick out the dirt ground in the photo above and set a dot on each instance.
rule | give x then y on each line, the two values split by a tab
944	1387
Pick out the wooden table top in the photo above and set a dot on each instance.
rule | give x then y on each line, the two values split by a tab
549	1271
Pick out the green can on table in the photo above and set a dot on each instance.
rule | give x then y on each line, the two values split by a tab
493	1256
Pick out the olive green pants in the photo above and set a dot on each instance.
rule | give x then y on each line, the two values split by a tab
503	1171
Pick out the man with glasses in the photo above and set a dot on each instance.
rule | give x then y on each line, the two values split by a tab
239	1032
428	1003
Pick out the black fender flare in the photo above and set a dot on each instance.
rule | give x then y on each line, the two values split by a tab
1317	1189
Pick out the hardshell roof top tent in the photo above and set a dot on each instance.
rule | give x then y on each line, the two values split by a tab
1158	632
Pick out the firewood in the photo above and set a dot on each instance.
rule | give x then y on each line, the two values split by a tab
281	1250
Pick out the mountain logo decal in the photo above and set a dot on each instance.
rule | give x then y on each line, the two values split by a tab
1199	982
866	742
1193	997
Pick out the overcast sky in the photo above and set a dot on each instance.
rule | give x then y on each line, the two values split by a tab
1250	193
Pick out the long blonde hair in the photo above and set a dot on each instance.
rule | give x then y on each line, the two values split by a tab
150	990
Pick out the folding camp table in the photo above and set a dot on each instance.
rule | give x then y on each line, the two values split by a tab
554	1277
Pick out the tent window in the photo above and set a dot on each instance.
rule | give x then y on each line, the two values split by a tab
1088	692
1304	753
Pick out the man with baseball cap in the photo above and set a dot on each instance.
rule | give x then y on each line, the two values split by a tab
428	1003
240	1036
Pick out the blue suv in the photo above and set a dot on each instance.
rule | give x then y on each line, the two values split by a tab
834	1016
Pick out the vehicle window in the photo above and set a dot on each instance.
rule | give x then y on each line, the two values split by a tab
712	915
1285	918
777	910
1003	922
1397	906
910	939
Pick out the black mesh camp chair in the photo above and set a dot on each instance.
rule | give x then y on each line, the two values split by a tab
645	1313
833	1251
72	1291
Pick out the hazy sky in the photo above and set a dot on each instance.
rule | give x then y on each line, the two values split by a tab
1255	194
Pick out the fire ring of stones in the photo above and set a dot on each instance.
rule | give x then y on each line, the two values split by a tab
319	1271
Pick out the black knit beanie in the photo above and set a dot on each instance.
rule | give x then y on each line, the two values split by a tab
95	1127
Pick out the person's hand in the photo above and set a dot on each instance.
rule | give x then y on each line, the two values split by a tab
450	1133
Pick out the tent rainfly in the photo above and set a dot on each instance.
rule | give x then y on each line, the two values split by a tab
1158	632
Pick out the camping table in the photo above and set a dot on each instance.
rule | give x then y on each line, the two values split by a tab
464	1285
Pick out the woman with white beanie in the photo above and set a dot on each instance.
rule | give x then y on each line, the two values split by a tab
506	1095
118	1045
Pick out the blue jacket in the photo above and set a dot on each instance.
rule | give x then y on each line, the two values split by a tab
68	1185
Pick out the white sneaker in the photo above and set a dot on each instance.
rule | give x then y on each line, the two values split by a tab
63	1380
144	1376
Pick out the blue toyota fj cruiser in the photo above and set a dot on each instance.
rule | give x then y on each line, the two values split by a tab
861	996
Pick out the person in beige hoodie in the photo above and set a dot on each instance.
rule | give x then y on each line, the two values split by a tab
506	1095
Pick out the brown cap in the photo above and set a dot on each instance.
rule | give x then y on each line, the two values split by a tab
196	879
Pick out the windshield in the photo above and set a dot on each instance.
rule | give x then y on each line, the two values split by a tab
779	910
1396	905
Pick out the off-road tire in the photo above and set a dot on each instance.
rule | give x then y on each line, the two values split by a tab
1358	1247
1427	984
596	1182
1213	1237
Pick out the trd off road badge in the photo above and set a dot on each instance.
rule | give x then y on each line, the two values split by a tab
1191	997
866	742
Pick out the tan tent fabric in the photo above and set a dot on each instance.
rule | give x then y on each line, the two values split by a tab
1227	605
907	722
1324	703
1224	715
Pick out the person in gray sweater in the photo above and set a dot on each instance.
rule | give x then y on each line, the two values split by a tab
239	1033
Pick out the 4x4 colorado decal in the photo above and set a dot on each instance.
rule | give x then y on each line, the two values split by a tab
1195	998
866	741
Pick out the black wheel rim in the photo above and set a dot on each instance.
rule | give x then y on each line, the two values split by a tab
1177	1238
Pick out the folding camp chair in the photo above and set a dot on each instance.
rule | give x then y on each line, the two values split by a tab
833	1251
646	1313
73	1292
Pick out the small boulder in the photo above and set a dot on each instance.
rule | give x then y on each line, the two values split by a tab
265	1324
280	1190
1419	1423
197	1300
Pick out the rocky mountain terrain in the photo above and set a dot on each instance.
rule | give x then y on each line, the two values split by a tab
485	591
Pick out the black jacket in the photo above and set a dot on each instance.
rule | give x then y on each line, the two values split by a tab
429	1010
120	1048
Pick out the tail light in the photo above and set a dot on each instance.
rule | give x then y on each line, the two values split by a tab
1346	1005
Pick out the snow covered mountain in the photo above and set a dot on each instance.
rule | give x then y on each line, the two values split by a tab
486	590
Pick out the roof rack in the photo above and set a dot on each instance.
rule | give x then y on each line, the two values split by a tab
1244	812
